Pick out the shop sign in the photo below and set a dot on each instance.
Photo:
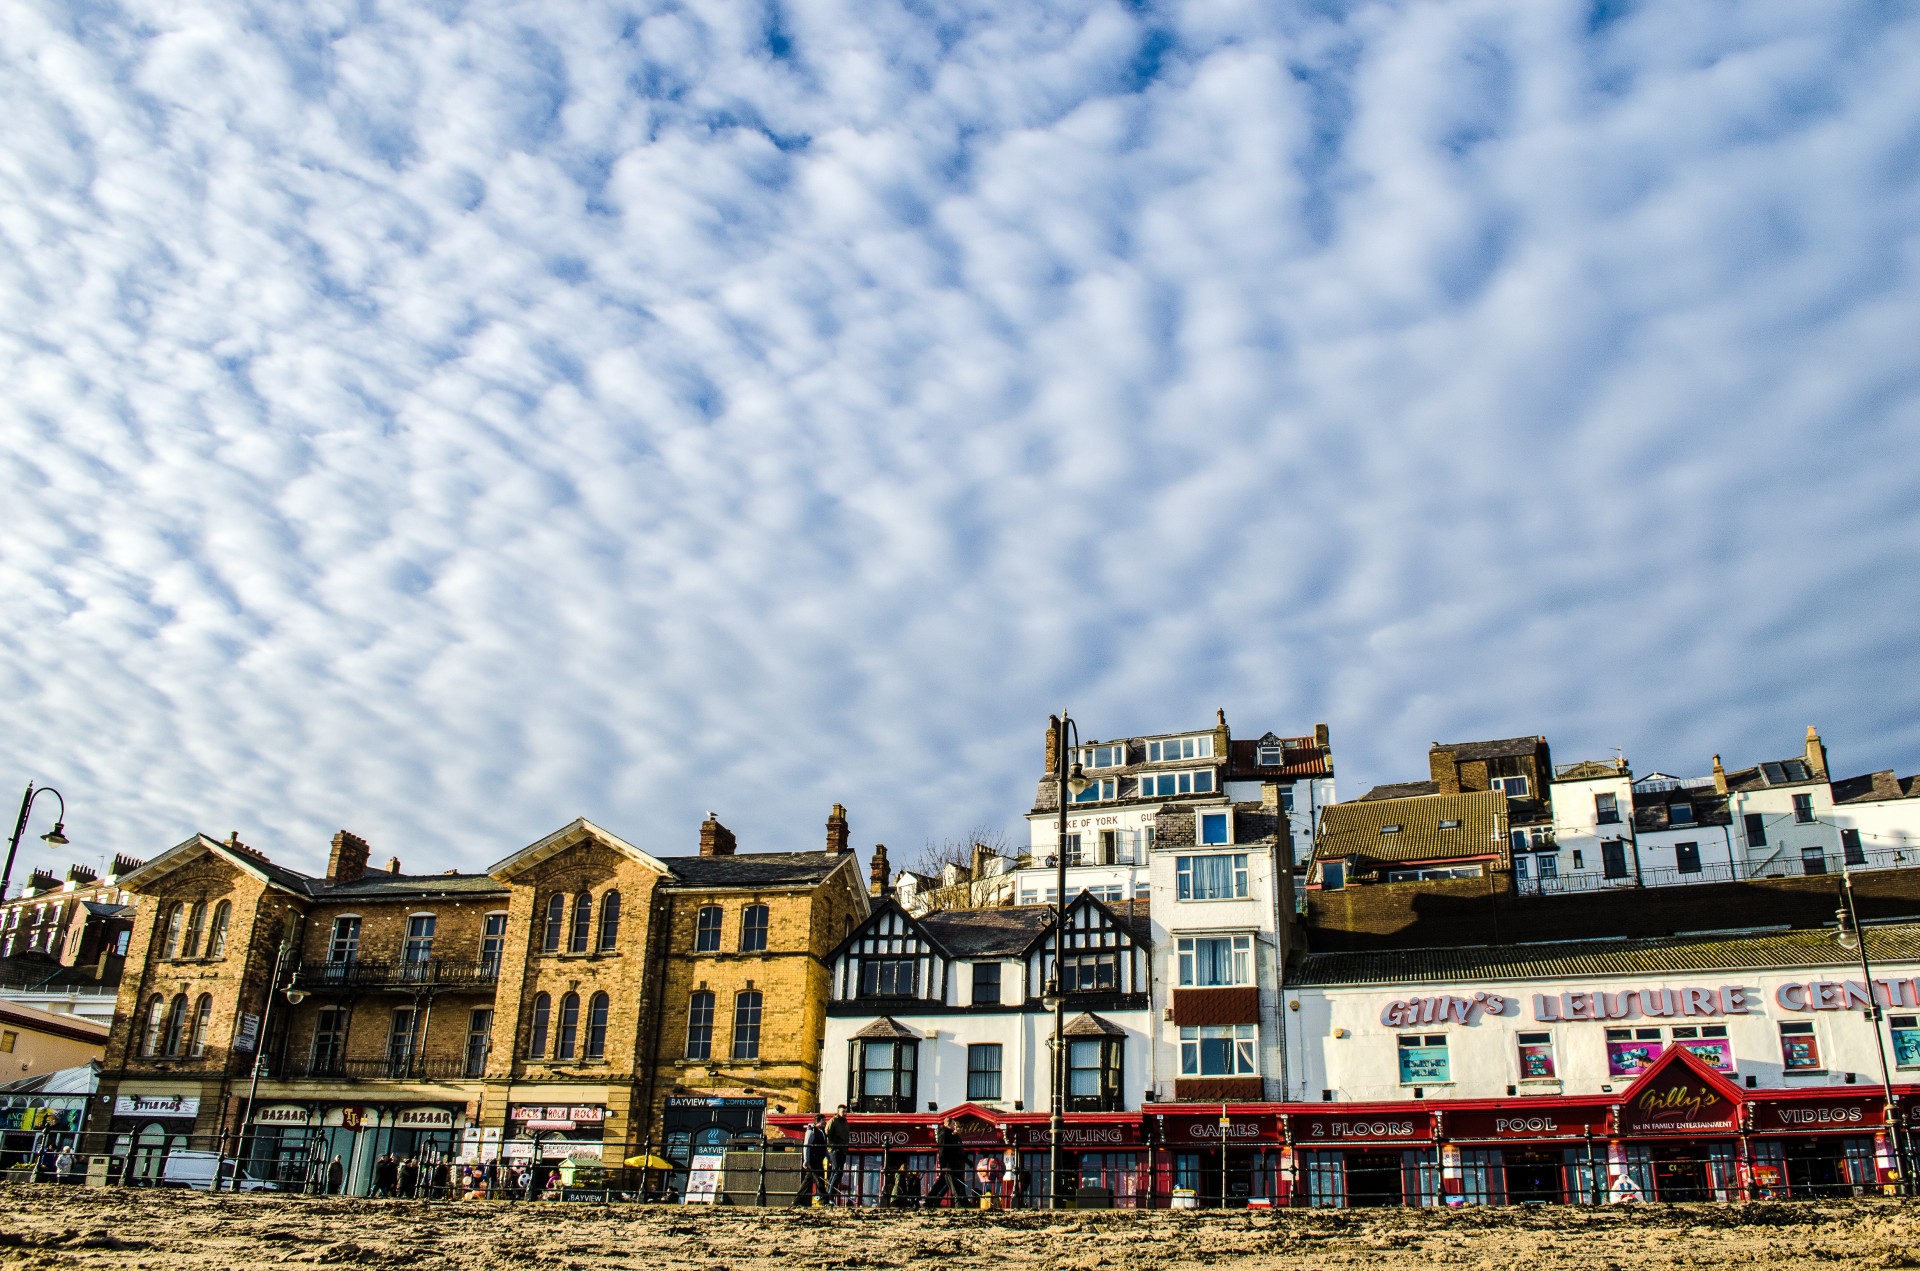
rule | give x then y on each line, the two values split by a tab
157	1105
353	1117
1080	1136
1677	1102
552	1116
888	1136
1341	1129
1596	1004
717	1101
423	1119
281	1114
1857	1112
1239	1129
246	1032
1440	1010
1521	1122
1846	995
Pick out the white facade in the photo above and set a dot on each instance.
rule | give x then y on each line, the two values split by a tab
1885	832
1590	839
1302	801
1786	830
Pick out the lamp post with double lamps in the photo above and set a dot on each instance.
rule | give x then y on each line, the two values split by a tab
56	836
1073	781
1851	936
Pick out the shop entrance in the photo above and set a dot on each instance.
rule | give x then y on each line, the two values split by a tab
1535	1175
1815	1165
1679	1172
1373	1179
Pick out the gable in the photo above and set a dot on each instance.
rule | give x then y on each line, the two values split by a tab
1679	1094
578	833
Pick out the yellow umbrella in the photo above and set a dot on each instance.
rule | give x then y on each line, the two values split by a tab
647	1162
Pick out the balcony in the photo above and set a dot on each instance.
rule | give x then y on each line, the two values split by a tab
386	1068
1781	866
366	973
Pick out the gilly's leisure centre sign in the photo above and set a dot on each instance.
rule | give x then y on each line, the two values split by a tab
1663	1003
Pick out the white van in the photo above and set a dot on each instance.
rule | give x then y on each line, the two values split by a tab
189	1168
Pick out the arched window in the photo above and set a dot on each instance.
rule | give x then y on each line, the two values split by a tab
176	1040
753	929
569	1026
156	1026
556	923
202	1025
596	1047
706	930
196	919
217	933
746	1025
537	1036
173	926
582	924
609	921
700	1026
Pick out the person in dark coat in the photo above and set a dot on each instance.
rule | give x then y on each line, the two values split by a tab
951	1154
336	1176
813	1160
386	1175
410	1178
839	1138
442	1180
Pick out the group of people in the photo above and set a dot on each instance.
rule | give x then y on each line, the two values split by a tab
408	1179
823	1161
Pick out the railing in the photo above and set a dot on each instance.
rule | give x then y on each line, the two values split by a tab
364	973
393	1068
1784	867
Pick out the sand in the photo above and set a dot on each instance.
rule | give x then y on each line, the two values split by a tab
43	1226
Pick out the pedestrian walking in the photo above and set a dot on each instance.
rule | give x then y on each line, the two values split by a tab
950	1155
839	1138
63	1166
336	1176
813	1160
386	1176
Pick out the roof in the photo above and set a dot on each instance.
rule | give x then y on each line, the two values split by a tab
1299	757
1653	809
884	1027
1410	829
1087	1024
1400	790
1876	787
756	869
1755	951
381	883
54	1023
1467	751
577	831
1775	773
986	933
80	1079
38	973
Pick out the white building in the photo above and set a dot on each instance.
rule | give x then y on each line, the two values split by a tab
1783	814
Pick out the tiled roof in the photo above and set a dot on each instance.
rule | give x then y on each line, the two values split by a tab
1361	829
755	869
988	933
1758	951
1299	757
1467	751
1875	787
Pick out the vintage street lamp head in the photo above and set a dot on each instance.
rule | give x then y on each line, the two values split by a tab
57	835
1847	936
1077	782
1051	996
295	995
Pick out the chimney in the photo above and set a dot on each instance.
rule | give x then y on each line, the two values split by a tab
348	859
1322	739
715	838
393	864
878	873
977	867
1816	753
1442	769
124	865
1719	776
1053	744
837	830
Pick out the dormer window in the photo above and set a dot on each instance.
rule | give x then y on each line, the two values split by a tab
1098	791
1179	749
1513	787
1213	829
1270	755
1114	756
1162	784
1680	814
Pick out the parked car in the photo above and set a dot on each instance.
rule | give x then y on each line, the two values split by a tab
189	1168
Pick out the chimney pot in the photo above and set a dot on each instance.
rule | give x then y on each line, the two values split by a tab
715	838
348	860
393	864
878	873
837	833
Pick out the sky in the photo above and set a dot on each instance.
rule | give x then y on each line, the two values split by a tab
442	419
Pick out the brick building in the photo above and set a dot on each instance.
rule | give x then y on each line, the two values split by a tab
550	1007
79	920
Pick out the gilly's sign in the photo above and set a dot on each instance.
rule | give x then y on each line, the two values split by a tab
1439	1010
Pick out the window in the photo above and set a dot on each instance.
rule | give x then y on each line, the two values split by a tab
1423	1060
555	925
1090	973
177	1025
479	1041
1631	1051
1547	865
329	1041
1850	849
753	929
1333	875
344	946
1708	1042
1687	857
202	1025
1395	829
419	948
1606	809
609	921
174	924
1114	756
1218	1050
1613	858
537	1035
1164	784
569	1031
1116	848
706	930
1175	749
889	977
1679	814
1072	843
1210	961
1454	825
986	984
493	941
1536	1056
196	920
1513	787
700	1026
1906	1040
1210	877
217	933
596	1043
746	1025
983	1071
7	1039
1213	829
403	1036
1098	791
1093	1074
885	1075
1803	809
1756	830
1270	756
1813	860
580	935
1579	859
156	1026
1799	1049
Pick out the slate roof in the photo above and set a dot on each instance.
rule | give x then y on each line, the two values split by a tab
1299	757
755	869
1010	930
1773	775
1400	790
1357	829
1087	1024
1653	809
1876	787
1468	751
377	883
1751	951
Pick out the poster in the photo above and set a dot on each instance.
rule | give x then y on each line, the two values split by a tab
703	1179
1628	1058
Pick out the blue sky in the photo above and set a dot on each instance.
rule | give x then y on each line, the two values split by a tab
442	420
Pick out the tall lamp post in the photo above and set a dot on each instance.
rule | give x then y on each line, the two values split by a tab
1850	936
295	996
56	836
1073	781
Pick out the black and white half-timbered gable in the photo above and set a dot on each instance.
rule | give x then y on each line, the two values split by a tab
947	1008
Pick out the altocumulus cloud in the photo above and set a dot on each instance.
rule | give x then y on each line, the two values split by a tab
444	419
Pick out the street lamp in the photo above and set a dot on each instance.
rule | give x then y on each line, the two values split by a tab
1073	782
1849	936
56	836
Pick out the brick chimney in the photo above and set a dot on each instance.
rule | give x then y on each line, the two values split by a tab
837	830
715	838
878	873
1053	744
1719	776
1322	739
1442	769
348	859
393	864
1816	753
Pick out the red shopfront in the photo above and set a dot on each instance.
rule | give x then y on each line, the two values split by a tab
1521	1151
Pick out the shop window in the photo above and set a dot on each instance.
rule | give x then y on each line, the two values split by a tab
609	921
1218	1050
986	984
329	1041
1906	1040
1090	973
1631	1050
700	1026
1423	1060
344	945
493	942
746	1025
569	1030
542	1020
1213	829
196	920
983	1071
706	930
581	933
885	1075
1708	1042
889	977
176	1026
1803	809
1687	857
419	947
596	1043
1210	961
1536	1056
1214	877
1799	1048
555	926
479	1041
1850	849
156	1027
202	1025
174	924
1093	1074
753	929
217	933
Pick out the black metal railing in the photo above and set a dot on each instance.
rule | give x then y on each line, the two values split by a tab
368	973
385	1068
1795	866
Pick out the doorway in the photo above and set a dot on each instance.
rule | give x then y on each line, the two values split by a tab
1373	1179
1680	1172
1535	1176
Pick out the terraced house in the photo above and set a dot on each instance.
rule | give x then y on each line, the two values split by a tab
582	998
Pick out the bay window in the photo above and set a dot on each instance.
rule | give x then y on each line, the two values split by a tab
1215	961
884	1074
